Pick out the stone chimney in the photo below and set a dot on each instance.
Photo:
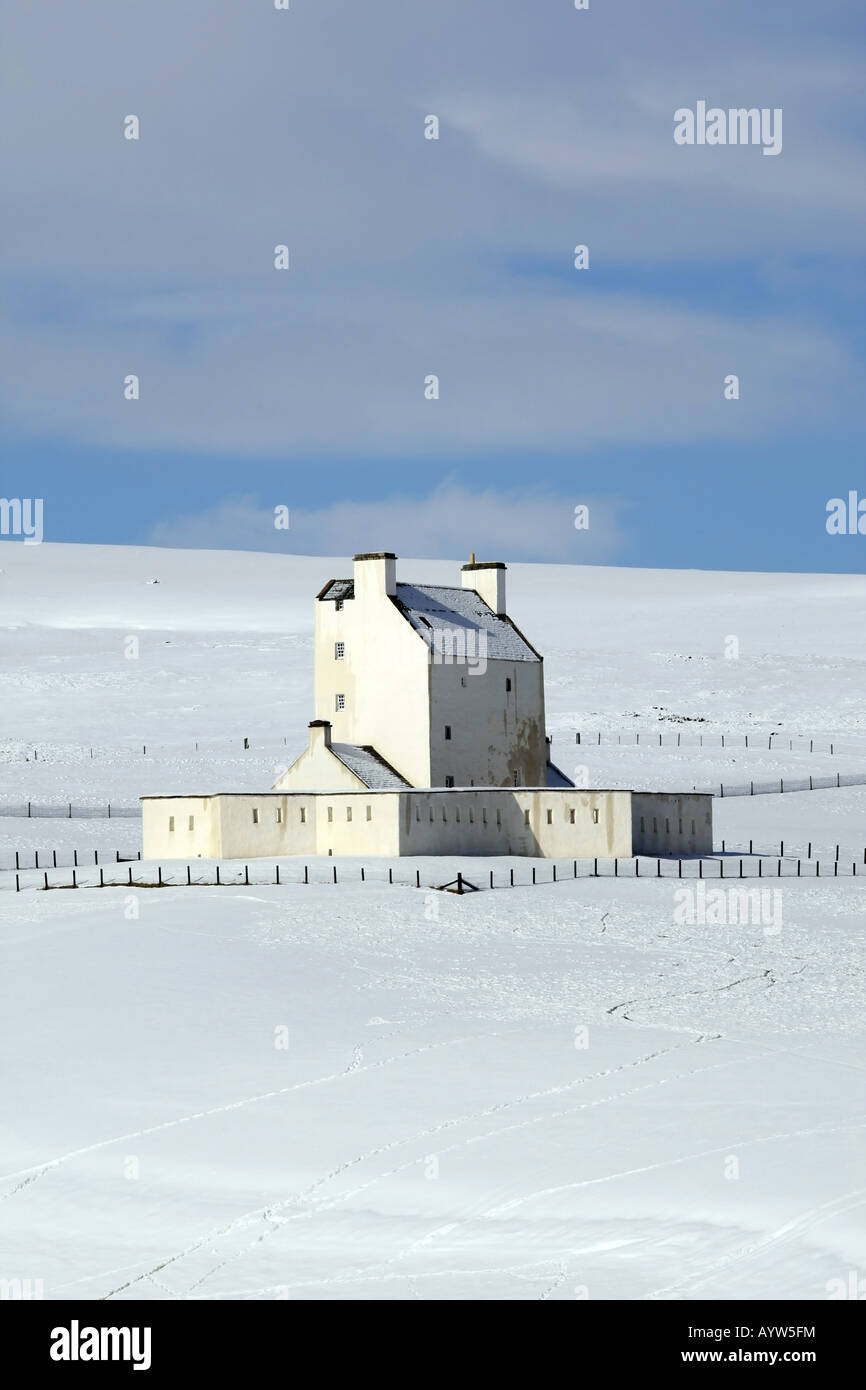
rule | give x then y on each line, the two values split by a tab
320	734
375	575
488	579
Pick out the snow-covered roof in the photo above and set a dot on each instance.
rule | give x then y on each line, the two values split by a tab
437	607
338	588
372	769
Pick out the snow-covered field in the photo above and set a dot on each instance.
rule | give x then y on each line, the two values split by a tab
382	1092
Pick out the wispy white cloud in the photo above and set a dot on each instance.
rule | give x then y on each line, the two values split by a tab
452	520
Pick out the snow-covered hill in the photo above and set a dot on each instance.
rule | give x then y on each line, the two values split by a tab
381	1092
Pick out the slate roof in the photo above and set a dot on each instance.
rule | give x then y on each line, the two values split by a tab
367	764
437	607
338	588
555	778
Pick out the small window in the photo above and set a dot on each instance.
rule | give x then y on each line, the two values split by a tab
171	822
462	680
498	818
655	825
571	816
447	730
449	781
471	816
444	814
369	813
340	702
330	813
457	813
431	812
417	811
516	777
255	815
303	814
525	817
507	683
550	818
192	822
278	815
642	826
595	816
693	827
667	826
681	825
339	651
348	813
484	815
339	605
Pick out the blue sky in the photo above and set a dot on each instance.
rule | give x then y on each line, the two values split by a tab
409	257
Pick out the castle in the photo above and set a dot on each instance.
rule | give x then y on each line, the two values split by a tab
429	738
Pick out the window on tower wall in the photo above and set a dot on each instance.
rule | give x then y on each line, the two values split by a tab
507	682
339	651
516	776
340	702
338	605
447	730
449	781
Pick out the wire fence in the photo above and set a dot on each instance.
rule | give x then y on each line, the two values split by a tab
228	875
772	742
29	858
68	810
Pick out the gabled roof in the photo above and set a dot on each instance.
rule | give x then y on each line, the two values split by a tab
369	766
432	608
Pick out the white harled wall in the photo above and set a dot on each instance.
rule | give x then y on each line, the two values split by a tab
543	822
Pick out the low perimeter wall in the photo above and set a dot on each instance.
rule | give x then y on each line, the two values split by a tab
552	823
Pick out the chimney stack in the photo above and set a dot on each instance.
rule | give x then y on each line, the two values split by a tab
375	574
488	580
320	733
